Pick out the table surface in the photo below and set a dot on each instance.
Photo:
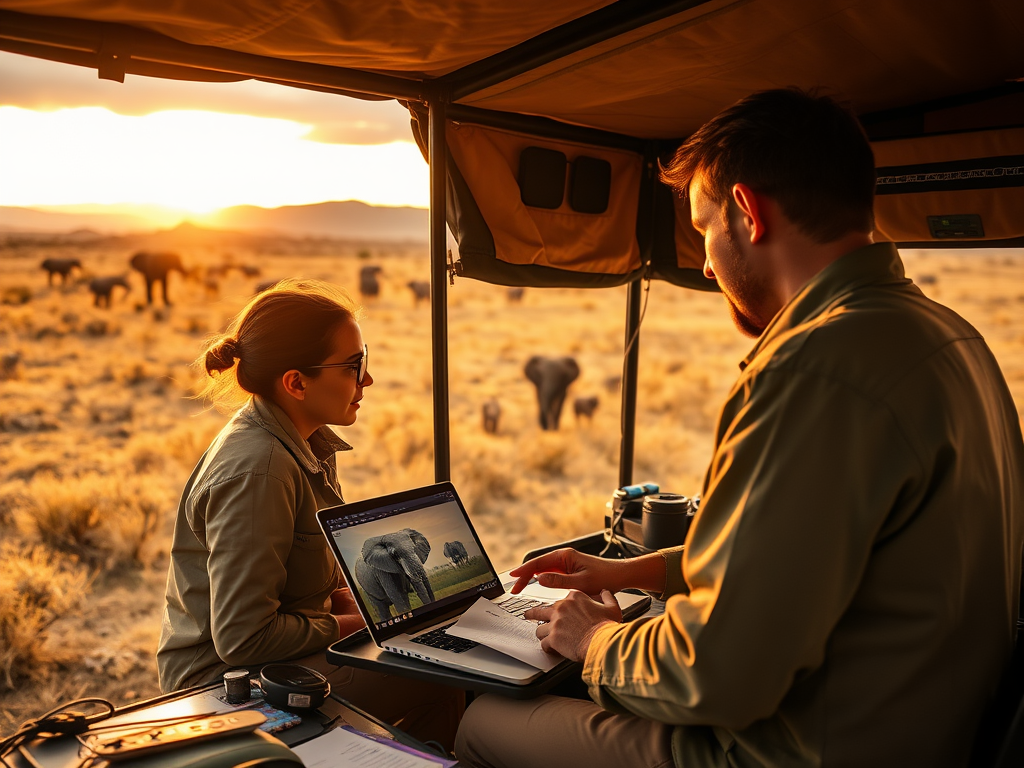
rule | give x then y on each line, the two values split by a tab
203	700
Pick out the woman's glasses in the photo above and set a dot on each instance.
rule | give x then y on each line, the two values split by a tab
359	366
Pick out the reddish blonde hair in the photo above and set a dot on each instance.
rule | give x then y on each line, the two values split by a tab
288	326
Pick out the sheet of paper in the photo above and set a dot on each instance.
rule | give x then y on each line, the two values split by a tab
341	748
489	625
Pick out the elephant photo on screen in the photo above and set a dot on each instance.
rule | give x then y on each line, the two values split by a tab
155	267
552	377
456	552
390	567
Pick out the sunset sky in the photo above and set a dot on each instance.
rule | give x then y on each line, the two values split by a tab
69	138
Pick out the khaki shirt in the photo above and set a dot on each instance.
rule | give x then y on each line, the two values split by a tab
848	591
251	573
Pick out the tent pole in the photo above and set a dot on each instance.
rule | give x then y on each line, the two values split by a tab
438	152
629	384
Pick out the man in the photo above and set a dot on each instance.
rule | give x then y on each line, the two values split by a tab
848	591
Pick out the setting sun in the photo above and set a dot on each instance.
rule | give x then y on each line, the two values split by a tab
194	161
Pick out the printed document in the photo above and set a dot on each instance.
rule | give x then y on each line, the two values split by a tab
341	748
490	625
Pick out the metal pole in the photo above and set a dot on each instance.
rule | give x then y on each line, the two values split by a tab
629	384
438	150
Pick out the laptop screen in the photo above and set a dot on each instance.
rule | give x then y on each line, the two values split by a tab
409	557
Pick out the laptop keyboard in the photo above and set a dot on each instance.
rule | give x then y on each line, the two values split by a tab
438	638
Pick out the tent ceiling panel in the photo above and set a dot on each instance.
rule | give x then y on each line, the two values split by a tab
658	80
665	79
417	37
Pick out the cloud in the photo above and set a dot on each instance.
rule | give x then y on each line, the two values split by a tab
44	85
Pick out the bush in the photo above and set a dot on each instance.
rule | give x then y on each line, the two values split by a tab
15	295
36	589
106	520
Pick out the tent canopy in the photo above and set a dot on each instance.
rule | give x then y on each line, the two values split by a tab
644	69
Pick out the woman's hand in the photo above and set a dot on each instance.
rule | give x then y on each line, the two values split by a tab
342	602
343	607
569	569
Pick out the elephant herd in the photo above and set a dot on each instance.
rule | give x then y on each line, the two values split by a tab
550	375
154	266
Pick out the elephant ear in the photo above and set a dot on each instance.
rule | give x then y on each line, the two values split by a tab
376	554
572	370
420	544
532	369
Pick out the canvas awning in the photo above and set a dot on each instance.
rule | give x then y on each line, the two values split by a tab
665	68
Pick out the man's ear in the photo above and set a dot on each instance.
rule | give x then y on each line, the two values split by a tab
294	384
752	211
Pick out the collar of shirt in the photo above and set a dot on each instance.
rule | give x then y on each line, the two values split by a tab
873	264
322	444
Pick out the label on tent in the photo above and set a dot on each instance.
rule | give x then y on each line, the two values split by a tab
956	225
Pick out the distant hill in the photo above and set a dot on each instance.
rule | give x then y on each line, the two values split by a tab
350	220
30	220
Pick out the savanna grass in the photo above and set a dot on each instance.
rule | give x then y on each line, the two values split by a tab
37	587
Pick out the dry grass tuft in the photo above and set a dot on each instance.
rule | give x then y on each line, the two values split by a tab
36	589
549	453
15	295
105	520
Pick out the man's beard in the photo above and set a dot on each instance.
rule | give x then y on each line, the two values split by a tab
746	296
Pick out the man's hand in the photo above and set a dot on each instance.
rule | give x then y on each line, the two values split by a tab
343	607
572	622
569	569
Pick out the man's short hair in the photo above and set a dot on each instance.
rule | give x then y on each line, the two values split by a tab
804	150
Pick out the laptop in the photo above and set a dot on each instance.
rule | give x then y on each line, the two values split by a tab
415	564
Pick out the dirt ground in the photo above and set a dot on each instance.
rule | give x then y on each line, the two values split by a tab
99	432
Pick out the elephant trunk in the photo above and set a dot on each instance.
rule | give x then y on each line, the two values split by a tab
417	574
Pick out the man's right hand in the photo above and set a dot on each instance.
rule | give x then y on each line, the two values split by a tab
569	569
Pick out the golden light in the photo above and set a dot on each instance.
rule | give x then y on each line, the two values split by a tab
195	161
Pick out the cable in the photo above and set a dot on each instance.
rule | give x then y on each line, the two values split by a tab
56	722
643	311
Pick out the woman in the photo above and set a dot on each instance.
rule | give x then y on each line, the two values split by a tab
251	577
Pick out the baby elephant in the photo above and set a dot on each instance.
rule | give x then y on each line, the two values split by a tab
420	291
492	413
585	406
369	285
60	267
102	287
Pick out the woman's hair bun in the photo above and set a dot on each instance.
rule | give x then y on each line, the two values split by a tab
222	355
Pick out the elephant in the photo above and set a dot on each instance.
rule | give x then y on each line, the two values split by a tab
420	291
585	406
369	285
552	377
456	552
390	567
492	414
60	267
155	267
103	287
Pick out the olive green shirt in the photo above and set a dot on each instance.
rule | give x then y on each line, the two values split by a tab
251	574
848	591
